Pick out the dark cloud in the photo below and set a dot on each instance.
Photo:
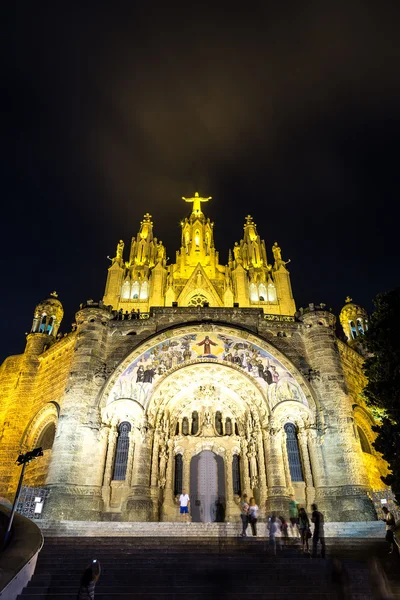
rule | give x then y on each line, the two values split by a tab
289	112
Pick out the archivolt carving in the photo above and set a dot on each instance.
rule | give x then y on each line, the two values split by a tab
47	414
253	357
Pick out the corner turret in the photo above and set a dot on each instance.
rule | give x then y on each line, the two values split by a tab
48	316
354	321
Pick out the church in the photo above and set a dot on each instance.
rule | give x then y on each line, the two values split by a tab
192	375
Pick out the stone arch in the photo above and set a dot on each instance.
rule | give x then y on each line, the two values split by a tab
47	415
364	420
45	418
186	335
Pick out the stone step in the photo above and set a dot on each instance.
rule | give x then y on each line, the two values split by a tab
362	529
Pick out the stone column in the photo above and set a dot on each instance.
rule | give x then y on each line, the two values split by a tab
308	478
288	477
186	458
169	508
278	498
154	483
343	497
112	442
244	468
262	481
139	506
129	466
231	509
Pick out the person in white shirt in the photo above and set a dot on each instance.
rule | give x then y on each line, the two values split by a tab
184	504
253	514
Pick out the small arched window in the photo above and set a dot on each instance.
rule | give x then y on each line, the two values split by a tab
271	293
144	291
228	426
236	475
293	453
50	325
42	327
365	447
197	238
360	327
353	330
135	290
195	422
126	290
262	291
121	454
46	438
178	474
253	292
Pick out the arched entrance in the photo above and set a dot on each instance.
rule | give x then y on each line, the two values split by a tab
208	390
207	487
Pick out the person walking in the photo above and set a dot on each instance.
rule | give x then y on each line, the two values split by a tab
294	515
304	526
88	581
273	530
184	505
244	514
318	519
253	514
390	522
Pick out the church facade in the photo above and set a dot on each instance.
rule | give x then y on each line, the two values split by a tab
193	375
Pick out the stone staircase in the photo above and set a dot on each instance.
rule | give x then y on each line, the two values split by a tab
149	567
362	529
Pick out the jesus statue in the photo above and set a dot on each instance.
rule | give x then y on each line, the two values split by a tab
197	200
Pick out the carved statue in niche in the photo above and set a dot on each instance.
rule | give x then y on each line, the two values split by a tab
120	250
163	455
252	455
160	252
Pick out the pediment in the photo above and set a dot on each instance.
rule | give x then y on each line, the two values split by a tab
199	285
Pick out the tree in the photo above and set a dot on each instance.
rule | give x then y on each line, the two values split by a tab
382	392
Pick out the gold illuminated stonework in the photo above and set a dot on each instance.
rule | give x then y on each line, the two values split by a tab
197	276
218	366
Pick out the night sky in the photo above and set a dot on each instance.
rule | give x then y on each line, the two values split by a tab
289	112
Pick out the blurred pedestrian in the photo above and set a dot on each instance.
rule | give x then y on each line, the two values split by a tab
305	531
253	514
88	581
244	514
273	531
294	515
284	527
390	527
318	519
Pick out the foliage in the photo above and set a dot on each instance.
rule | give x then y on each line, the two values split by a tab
382	368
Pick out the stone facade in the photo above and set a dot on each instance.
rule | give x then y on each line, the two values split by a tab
216	360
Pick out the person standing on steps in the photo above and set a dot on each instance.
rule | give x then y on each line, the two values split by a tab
184	505
253	513
304	526
273	530
88	581
390	527
244	514
294	515
318	519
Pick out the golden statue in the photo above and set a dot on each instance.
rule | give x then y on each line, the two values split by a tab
197	200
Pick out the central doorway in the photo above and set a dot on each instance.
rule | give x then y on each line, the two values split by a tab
207	487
